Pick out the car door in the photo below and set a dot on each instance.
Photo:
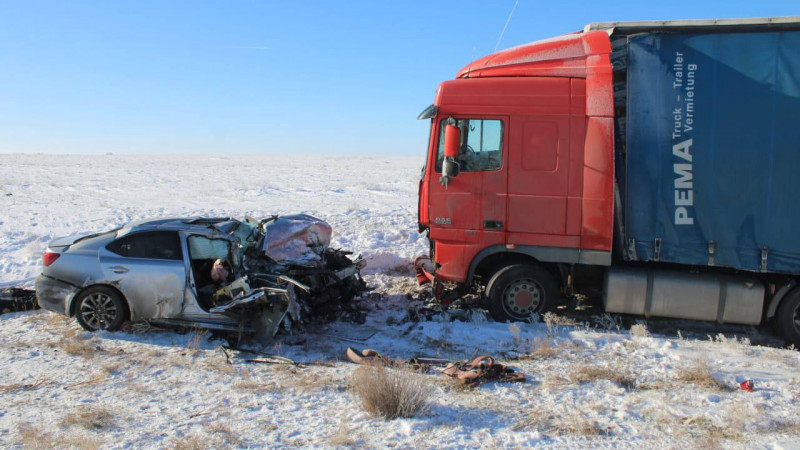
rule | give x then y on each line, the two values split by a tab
148	268
202	249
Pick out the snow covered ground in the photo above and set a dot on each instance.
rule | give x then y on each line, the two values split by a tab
587	386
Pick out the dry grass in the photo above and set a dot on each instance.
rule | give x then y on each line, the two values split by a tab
193	442
224	433
639	330
196	342
344	435
254	384
31	437
88	382
619	375
89	418
9	388
703	428
313	380
390	393
552	321
699	374
72	343
783	427
541	348
572	420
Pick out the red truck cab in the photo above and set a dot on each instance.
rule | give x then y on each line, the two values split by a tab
535	186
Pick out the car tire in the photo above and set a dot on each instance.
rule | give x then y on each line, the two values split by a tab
100	308
787	318
519	292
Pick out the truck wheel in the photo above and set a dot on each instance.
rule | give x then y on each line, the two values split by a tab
515	293
100	308
787	318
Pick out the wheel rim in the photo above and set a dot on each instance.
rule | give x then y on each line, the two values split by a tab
522	298
98	310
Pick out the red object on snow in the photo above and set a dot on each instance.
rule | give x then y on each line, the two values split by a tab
746	385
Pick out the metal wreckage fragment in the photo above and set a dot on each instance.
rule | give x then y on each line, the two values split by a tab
288	275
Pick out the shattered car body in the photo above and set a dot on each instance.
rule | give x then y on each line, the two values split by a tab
159	271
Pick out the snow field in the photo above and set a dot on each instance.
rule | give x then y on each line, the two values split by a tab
586	387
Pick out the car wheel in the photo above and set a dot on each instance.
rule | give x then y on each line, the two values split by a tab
518	292
787	318
100	308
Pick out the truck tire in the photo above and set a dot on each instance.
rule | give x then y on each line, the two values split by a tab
787	318
518	292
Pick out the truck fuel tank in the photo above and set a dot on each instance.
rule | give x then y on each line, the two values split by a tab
683	295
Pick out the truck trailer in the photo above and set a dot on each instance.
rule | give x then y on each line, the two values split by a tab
657	163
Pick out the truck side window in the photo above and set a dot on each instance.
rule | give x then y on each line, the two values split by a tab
481	145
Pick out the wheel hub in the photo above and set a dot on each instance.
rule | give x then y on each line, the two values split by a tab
522	298
98	310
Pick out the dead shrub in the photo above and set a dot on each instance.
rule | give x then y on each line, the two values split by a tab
699	374
390	393
618	375
89	418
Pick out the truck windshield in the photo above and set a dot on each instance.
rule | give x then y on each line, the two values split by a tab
481	145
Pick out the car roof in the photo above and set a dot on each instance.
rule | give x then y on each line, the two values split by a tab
192	224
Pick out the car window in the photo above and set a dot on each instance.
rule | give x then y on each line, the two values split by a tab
481	145
201	247
148	245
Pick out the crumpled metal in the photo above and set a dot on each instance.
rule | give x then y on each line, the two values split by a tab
297	239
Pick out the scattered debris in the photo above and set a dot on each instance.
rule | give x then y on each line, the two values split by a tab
14	299
481	369
747	385
470	373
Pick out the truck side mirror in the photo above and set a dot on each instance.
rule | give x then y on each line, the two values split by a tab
452	141
450	168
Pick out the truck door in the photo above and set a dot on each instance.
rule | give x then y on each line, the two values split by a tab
538	176
475	200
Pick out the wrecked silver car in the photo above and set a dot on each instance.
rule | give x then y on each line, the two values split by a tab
214	273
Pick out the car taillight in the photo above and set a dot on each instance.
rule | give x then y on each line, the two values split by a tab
50	258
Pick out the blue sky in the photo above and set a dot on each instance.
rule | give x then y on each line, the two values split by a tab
313	77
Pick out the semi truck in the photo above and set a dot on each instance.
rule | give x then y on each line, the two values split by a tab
655	164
